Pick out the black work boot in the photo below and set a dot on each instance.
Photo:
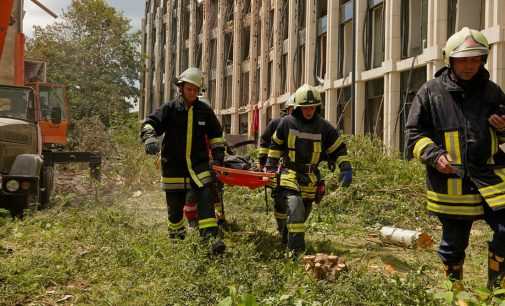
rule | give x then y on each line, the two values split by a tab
211	237
454	272
217	247
296	243
177	234
283	230
496	271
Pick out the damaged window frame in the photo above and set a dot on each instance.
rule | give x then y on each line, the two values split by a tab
345	45
321	39
412	46
457	8
374	34
374	114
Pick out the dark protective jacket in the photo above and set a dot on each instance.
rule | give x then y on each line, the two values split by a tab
449	117
266	139
184	150
303	145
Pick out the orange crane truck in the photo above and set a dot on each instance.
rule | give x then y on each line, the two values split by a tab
34	120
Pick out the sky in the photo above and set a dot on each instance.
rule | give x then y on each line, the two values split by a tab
132	9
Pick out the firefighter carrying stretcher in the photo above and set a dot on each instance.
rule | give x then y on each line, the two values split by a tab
187	122
303	139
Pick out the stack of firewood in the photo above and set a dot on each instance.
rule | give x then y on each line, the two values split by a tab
322	266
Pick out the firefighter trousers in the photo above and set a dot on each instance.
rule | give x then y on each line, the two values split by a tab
291	204
456	234
207	222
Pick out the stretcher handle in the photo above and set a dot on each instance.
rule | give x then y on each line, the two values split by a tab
226	171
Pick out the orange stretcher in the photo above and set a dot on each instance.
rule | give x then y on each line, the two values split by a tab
244	178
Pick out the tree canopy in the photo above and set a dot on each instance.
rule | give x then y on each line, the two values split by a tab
95	53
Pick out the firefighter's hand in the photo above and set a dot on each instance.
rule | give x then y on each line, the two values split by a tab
331	165
444	164
498	122
345	177
152	146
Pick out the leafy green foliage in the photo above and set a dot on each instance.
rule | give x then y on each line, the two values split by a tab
93	51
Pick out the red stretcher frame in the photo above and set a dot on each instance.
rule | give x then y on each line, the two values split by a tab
244	178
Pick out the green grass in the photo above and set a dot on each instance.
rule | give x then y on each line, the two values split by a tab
115	251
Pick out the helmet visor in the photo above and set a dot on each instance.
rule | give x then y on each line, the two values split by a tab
469	53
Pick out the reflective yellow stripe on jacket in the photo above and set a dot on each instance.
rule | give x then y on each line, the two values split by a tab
216	142
288	180
276	139
454	185
203	177
454	202
494	195
335	145
291	146
263	151
456	210
316	153
420	145
189	143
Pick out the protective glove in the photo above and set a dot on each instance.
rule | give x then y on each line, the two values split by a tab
331	165
152	146
345	177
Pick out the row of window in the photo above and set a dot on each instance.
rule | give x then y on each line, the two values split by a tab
414	24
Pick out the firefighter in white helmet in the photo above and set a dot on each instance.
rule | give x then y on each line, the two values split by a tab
303	139
455	127
189	127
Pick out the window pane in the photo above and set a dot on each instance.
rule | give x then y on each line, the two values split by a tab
243	123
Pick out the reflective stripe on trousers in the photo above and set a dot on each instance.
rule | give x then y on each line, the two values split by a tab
297	212
204	200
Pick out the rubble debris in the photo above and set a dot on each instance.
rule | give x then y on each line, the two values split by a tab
322	266
405	238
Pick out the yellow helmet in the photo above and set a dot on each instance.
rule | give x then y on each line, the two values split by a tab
191	75
306	96
466	43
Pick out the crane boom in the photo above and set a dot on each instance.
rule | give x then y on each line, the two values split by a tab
5	16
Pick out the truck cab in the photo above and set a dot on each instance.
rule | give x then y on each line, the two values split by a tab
51	100
22	183
34	120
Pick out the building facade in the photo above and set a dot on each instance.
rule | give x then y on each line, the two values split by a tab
255	53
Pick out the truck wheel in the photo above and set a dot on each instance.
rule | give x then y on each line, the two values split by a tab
46	186
25	205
